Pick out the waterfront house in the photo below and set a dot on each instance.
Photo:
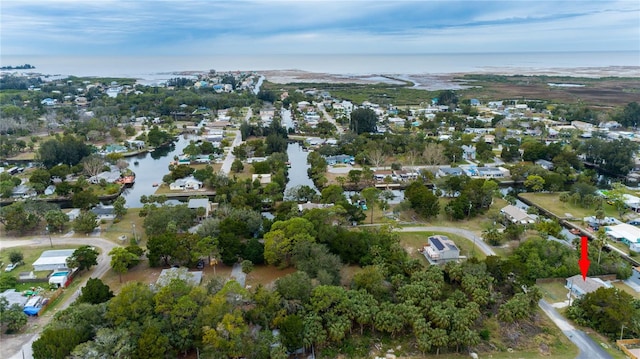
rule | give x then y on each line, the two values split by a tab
108	176
187	183
23	191
579	287
625	233
440	249
449	171
516	215
308	206
50	190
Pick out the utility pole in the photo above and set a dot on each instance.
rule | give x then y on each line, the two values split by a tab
49	233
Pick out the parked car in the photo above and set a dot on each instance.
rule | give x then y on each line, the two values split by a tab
10	267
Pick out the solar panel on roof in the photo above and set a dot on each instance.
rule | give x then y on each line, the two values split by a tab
436	242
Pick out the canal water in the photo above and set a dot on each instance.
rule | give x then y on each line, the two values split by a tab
151	167
298	172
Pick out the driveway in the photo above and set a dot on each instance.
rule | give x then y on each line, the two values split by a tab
589	349
19	346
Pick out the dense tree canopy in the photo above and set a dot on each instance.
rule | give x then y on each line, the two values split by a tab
363	120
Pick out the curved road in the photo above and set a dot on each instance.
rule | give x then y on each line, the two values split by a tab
19	346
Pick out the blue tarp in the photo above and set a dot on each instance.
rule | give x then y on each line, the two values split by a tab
31	310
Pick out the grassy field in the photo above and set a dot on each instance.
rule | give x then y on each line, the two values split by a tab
554	292
125	227
551	202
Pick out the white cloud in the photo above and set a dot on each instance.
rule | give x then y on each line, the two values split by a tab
71	26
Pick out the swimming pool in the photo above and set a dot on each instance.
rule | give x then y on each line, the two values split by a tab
59	274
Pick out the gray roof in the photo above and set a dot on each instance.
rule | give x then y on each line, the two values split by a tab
198	203
193	278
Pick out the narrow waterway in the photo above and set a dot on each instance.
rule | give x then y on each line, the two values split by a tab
298	172
151	167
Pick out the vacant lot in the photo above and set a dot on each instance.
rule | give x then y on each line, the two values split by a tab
551	202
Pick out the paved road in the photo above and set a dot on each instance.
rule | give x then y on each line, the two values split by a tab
589	349
485	248
328	117
19	346
238	274
228	161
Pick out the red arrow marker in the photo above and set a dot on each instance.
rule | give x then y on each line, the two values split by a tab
584	261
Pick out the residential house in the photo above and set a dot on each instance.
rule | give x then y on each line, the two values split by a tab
135	144
73	214
50	190
195	203
468	152
344	159
405	175
547	165
104	212
49	102
167	275
307	206
449	171
23	191
52	259
440	249
187	183
108	176
263	178
626	233
492	172
380	175
632	202
517	215
579	287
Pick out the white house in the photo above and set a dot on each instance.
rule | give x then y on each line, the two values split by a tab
625	233
187	183
516	215
52	259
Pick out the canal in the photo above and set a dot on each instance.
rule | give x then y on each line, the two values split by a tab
298	172
150	169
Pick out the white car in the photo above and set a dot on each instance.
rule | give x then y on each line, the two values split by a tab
10	267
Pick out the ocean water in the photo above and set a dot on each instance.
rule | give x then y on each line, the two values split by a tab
163	67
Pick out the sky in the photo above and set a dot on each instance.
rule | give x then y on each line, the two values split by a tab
156	27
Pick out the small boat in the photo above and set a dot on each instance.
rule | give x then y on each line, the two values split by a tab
155	185
136	163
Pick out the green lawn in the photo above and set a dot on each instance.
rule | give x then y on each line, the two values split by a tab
124	227
551	202
554	292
